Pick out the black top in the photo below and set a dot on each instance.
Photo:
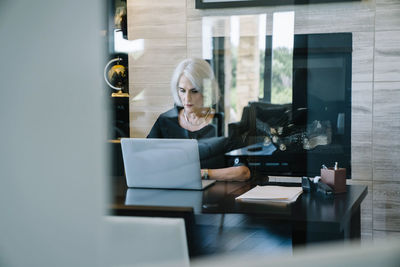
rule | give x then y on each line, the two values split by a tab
211	147
167	126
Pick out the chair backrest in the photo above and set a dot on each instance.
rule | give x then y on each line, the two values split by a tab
144	241
257	117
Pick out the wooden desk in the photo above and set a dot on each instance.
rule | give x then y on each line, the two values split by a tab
312	218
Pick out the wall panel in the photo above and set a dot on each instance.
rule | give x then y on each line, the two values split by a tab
162	25
386	207
386	131
361	131
387	56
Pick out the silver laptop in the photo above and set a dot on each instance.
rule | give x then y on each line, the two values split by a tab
162	163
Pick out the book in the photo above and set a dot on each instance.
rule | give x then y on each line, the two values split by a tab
271	194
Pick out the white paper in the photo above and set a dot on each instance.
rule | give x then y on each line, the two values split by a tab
272	193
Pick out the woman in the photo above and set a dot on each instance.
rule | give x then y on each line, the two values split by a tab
195	90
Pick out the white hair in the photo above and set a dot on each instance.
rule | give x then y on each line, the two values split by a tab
200	74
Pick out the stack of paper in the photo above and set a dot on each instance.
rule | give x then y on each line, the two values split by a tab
269	193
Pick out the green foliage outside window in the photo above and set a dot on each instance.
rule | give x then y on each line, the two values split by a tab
281	87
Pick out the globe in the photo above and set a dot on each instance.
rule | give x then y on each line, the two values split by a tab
116	77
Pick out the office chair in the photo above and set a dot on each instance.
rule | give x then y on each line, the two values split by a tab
144	241
255	117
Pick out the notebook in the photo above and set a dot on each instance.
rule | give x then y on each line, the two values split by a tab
162	163
271	194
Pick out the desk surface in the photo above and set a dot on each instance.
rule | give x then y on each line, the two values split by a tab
312	209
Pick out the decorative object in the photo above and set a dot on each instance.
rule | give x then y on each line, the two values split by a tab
115	77
335	178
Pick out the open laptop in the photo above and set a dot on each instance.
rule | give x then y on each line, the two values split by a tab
162	163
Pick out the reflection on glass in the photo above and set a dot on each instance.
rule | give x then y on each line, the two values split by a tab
235	47
122	45
282	58
286	95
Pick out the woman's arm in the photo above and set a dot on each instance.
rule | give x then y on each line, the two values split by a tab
237	173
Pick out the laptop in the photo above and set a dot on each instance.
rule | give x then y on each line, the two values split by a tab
162	163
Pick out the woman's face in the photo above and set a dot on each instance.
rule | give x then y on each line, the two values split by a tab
191	98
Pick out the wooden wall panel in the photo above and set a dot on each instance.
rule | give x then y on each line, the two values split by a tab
170	11
151	74
387	15
160	51
386	131
385	235
162	25
361	131
194	47
387	56
363	56
386	118
338	17
158	31
151	89
386	207
194	28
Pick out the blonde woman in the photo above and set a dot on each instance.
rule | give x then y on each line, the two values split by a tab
195	92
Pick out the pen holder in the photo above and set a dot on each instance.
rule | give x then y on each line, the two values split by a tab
335	179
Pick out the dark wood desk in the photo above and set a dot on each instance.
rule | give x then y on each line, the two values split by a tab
312	218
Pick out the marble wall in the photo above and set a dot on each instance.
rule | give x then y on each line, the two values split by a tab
386	119
172	31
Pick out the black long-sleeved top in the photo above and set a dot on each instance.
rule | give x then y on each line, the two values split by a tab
167	126
211	147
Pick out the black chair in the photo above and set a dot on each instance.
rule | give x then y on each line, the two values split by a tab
257	118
